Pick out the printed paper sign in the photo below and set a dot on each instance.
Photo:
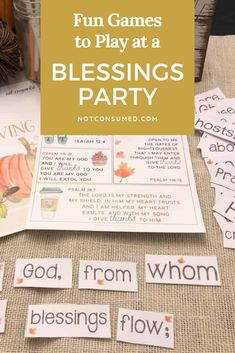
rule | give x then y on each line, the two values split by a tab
208	100
3	307
223	175
43	273
108	275
226	206
19	129
146	327
68	320
195	270
124	67
115	183
2	265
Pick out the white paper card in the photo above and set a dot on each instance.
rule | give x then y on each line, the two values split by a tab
146	327
43	273
223	175
68	320
3	307
108	275
115	183
195	270
2	266
221	129
224	111
212	147
228	159
225	206
208	100
228	230
229	235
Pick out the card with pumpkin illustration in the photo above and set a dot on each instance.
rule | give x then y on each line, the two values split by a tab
19	130
115	183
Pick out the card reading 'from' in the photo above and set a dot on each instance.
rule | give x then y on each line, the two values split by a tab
108	275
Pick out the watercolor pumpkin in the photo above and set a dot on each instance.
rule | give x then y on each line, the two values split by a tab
17	171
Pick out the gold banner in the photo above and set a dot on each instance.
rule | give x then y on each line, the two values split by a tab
123	67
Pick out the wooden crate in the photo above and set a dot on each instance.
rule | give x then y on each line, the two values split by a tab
6	12
204	12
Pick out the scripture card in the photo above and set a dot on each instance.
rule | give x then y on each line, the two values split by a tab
208	100
43	273
225	206
195	270
68	320
2	266
223	175
146	327
108	275
19	129
115	183
3	308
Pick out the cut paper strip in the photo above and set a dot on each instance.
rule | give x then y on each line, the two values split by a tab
108	275
146	327
68	320
208	100
194	270
223	175
43	273
220	129
225	206
2	267
3	308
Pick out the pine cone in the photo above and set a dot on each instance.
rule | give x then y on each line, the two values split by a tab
9	53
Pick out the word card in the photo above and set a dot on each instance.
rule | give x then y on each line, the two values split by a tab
43	273
2	266
195	270
108	275
68	320
3	308
146	327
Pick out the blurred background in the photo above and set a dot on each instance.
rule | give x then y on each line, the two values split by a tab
224	20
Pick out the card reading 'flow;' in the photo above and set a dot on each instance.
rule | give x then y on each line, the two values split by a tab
108	275
2	265
3	308
43	273
145	327
195	270
68	320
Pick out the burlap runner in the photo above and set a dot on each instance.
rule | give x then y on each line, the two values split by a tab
204	316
